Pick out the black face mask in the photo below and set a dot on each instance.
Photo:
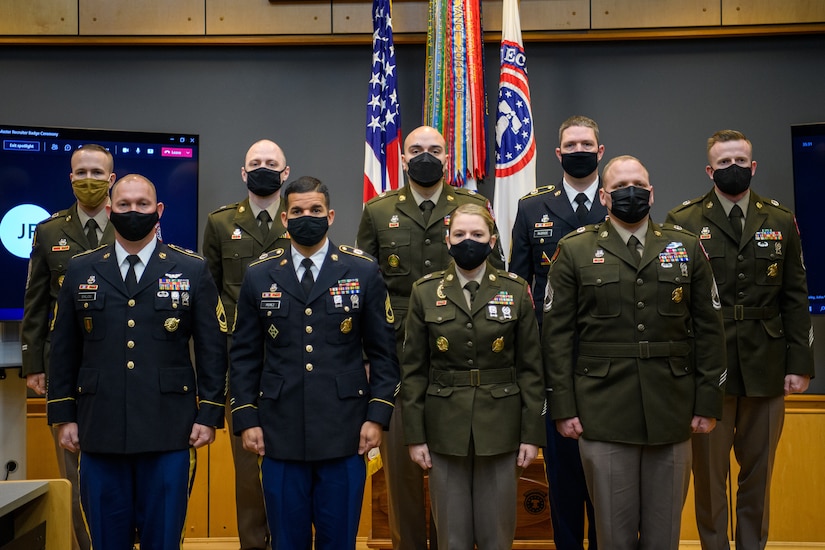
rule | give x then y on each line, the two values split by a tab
630	204
133	225
263	181
732	180
307	230
469	253
425	169
580	164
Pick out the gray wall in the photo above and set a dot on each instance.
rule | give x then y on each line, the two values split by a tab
657	100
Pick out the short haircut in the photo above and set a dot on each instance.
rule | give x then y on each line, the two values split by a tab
95	148
135	176
474	210
728	135
305	184
621	158
579	120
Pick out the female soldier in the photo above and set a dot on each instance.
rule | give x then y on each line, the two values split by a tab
472	387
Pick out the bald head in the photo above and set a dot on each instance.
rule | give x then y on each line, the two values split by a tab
424	135
265	153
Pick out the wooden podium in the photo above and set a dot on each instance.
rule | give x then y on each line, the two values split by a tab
36	515
534	530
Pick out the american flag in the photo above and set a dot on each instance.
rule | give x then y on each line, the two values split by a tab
515	136
382	156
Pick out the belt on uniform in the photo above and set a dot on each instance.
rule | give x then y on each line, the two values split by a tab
400	302
473	377
740	313
642	350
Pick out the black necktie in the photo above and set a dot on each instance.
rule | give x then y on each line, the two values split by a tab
736	218
472	288
91	232
263	222
633	246
307	280
131	275
427	209
581	209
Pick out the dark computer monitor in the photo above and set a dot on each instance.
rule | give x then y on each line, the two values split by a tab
34	183
808	146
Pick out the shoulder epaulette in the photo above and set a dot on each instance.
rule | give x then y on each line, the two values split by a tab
89	251
431	277
674	227
773	202
185	251
231	206
357	252
384	195
60	214
465	191
271	255
503	273
539	191
689	202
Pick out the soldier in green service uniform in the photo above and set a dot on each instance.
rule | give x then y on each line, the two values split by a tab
236	235
83	226
405	230
756	254
472	387
631	338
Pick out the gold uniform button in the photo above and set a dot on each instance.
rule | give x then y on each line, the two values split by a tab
308	311
309	348
174	305
186	388
86	305
308	329
130	365
130	344
309	367
130	323
360	392
131	302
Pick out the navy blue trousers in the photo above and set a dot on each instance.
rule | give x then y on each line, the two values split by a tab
323	493
145	493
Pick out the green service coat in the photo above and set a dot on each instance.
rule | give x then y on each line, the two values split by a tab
634	352
763	291
231	241
472	373
55	241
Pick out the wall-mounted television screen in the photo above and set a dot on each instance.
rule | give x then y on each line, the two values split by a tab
809	181
34	183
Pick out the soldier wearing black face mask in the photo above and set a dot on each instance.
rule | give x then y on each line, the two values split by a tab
302	400
631	337
544	216
405	230
236	235
471	355
123	389
756	254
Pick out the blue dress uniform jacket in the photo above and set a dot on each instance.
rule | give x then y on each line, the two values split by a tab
472	373
543	217
231	241
634	352
55	241
120	364
297	362
763	291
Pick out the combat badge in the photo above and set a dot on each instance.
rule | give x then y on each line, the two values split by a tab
498	344
171	324
773	270
236	234
442	343
676	295
346	325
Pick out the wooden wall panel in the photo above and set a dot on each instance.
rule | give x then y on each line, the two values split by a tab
762	12
624	14
542	15
356	17
249	17
38	17
223	521
147	17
